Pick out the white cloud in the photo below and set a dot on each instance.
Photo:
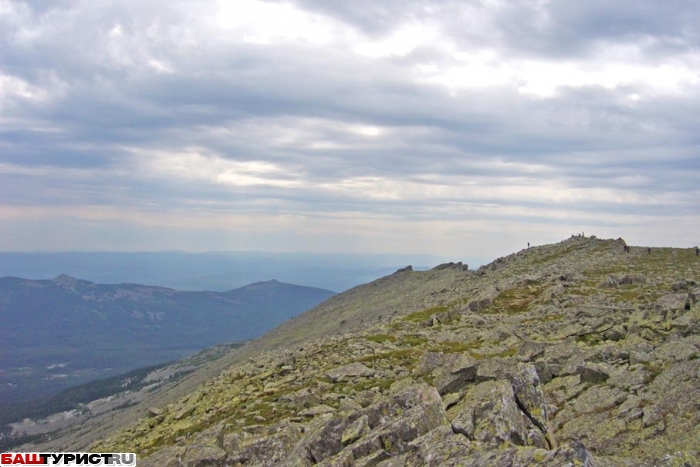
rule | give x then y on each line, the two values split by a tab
400	42
193	165
352	119
268	23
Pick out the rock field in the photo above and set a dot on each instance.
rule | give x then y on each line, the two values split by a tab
573	354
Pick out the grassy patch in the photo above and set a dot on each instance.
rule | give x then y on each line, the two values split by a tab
414	341
401	357
420	316
455	347
516	300
589	339
381	338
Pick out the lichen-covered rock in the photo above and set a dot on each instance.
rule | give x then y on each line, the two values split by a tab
460	372
483	300
677	351
529	351
489	414
316	410
593	373
355	431
530	397
670	305
301	399
430	361
349	371
493	369
389	426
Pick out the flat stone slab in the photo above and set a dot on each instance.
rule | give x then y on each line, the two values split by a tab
349	371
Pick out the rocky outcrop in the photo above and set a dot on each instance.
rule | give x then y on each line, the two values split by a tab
458	266
530	363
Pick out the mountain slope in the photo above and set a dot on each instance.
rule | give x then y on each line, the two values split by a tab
64	331
578	353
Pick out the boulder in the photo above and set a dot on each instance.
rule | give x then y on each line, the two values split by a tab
530	351
483	300
389	425
355	431
457	375
489	414
492	369
669	305
349	371
530	397
316	410
683	285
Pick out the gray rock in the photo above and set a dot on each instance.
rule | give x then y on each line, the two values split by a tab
483	300
683	285
530	397
316	410
632	279
557	355
492	369
395	436
458	266
543	371
349	405
447	317
268	450
489	414
530	351
694	296
461	371
593	373
349	371
669	305
301	399
678	351
451	399
355	431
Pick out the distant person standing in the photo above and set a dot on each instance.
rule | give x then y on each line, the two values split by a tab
697	251
528	244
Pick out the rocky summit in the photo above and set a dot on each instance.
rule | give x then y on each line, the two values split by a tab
581	353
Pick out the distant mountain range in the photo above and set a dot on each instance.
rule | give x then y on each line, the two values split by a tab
218	271
65	331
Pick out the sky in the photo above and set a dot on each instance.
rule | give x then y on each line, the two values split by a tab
464	128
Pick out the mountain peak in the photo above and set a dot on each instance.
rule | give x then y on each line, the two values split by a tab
260	285
65	279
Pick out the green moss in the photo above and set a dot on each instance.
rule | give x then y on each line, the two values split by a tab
406	358
455	347
414	340
515	300
381	338
589	339
382	384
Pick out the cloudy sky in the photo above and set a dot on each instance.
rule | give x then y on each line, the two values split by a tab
462	128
